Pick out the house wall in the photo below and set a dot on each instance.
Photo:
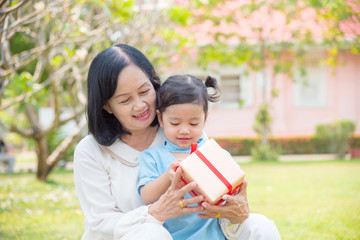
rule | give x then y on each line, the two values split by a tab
342	94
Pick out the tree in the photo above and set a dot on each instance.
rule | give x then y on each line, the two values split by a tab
46	50
268	36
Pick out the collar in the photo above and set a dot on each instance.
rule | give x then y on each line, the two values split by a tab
171	147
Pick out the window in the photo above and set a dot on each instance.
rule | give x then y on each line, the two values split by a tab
236	91
309	90
246	91
230	90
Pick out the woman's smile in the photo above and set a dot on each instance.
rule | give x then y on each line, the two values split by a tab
142	116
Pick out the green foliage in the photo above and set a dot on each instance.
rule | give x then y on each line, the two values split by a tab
338	133
237	146
54	139
355	142
180	15
20	42
301	145
264	152
117	10
22	83
292	145
120	10
263	120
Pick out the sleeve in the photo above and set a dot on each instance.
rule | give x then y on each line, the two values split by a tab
132	219
103	218
148	169
231	231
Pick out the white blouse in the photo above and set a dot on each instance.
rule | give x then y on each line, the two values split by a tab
106	188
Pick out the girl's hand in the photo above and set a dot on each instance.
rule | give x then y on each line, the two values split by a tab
236	208
172	203
173	166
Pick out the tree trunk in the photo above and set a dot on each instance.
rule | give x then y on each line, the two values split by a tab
42	152
264	133
47	162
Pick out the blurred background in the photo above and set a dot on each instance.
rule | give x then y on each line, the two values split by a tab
289	72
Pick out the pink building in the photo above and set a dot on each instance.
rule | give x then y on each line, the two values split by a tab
324	95
329	95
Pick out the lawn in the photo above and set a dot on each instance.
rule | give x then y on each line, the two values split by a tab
309	200
35	210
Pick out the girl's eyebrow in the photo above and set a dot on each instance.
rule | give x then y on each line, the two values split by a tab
124	94
178	118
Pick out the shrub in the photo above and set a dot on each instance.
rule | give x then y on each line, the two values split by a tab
355	142
289	145
338	133
237	146
301	145
264	152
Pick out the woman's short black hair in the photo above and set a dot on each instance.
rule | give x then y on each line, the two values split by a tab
101	85
180	89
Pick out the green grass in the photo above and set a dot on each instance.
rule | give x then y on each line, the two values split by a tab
25	157
309	200
30	209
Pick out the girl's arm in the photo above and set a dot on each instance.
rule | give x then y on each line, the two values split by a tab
153	190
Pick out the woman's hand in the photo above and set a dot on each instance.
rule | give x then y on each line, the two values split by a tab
236	208
172	203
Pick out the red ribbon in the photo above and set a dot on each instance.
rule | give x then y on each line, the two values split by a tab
193	149
214	170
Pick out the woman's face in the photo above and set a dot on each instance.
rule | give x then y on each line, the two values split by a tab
134	101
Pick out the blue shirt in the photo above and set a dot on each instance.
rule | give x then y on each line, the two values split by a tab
154	162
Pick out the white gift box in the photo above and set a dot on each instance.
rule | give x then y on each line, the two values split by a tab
214	171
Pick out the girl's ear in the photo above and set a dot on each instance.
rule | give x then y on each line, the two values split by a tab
159	118
107	108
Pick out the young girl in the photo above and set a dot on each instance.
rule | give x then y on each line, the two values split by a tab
182	110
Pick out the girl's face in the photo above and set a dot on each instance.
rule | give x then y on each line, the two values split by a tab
134	101
183	123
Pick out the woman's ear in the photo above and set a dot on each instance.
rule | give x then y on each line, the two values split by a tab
159	118
107	108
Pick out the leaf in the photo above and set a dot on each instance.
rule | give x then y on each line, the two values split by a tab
56	61
275	93
355	50
179	15
14	3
